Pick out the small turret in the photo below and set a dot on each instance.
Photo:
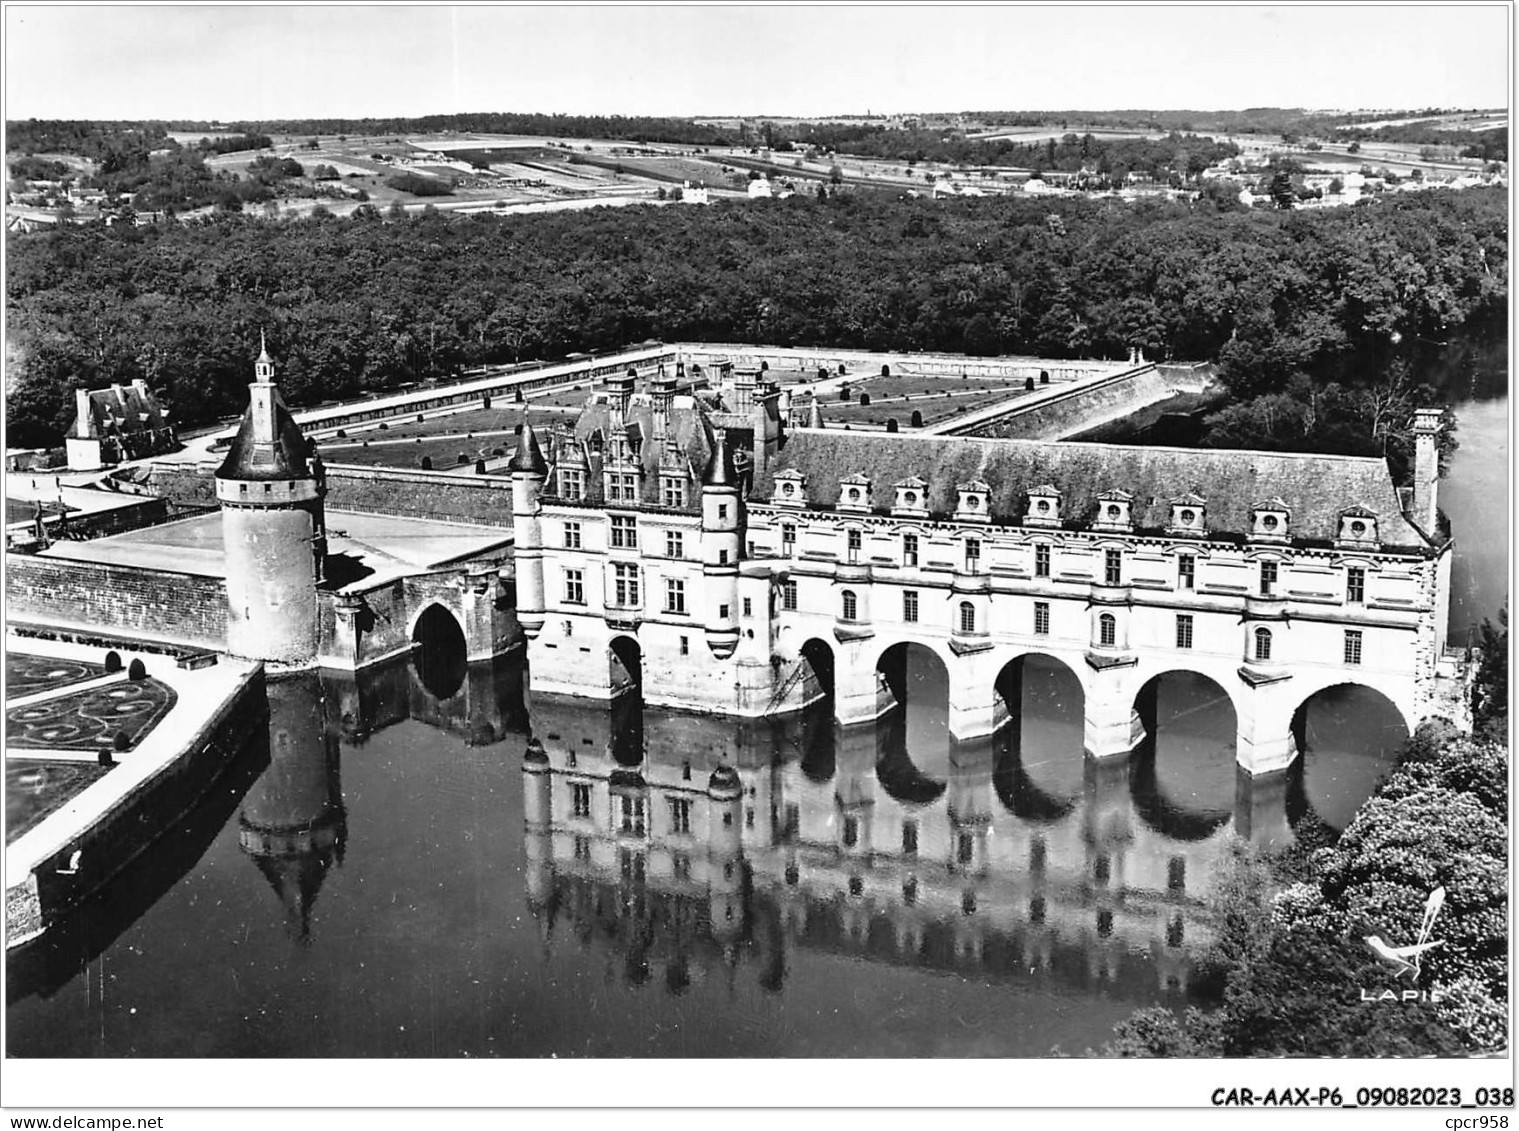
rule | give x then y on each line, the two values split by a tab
529	470
722	525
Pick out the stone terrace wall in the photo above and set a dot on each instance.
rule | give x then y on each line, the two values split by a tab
861	364
155	604
1065	414
484	500
481	500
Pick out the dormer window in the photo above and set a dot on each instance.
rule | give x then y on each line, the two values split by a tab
1043	507
790	489
1268	521
973	503
1114	512
1189	516
912	498
1359	529
854	494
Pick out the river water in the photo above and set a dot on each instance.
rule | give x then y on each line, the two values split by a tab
364	881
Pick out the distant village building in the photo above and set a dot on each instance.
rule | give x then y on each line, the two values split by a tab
759	188
120	423
694	194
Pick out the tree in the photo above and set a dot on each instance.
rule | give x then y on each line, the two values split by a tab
835	175
1490	689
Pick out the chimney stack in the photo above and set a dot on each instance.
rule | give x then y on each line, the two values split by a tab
1427	424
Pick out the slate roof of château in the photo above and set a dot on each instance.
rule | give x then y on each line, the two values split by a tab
1316	488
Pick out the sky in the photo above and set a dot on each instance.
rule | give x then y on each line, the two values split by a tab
260	62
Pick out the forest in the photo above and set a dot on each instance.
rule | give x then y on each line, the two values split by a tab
1315	318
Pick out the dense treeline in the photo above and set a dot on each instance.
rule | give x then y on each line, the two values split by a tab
1178	154
679	131
1307	308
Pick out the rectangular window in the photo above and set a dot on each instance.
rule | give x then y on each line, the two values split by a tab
685	646
854	545
1355	585
572	484
722	510
1352	646
722	611
1041	618
625	585
680	864
972	555
788	596
680	815
793	820
675	492
909	605
632	815
788	539
965	849
572	536
1268	578
580	795
624	532
722	557
583	849
1041	561
675	595
1186	571
748	607
574	587
1183	630
675	544
1112	571
909	549
622	487
909	838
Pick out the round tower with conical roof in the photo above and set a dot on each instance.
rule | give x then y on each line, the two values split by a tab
722	532
271	491
529	471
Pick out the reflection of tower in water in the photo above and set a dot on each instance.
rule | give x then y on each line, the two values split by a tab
292	821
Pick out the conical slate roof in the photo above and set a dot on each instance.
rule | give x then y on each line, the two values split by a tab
529	454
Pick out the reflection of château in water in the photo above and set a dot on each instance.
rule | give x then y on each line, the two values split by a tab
293	821
739	841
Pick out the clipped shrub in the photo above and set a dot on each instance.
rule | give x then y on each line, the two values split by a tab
138	670
917	418
113	661
384	427
485	402
891	424
1028	384
885	371
864	400
1044	376
427	463
479	467
463	458
121	741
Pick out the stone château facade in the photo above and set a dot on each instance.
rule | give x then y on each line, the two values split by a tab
740	566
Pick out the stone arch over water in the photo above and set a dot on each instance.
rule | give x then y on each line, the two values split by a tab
1348	737
1183	774
440	651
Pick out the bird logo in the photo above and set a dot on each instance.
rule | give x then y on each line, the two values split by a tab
1409	959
